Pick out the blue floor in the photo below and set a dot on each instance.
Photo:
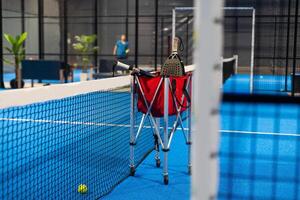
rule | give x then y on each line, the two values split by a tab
148	184
259	146
262	84
272	136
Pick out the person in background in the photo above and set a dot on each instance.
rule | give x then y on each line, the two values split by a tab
121	49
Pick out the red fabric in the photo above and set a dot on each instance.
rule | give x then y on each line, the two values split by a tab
149	86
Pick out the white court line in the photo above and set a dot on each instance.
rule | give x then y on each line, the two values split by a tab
62	122
68	122
261	133
127	126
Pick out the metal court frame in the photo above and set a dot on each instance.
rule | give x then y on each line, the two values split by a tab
165	140
174	11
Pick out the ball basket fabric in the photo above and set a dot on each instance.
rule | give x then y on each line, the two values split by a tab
177	95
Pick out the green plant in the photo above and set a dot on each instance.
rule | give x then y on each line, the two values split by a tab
18	51
85	46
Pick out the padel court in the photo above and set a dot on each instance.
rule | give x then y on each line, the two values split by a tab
149	99
258	141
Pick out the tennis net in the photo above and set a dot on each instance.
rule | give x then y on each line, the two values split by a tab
55	138
229	66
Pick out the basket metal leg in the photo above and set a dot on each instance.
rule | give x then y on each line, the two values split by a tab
132	127
166	131
156	143
157	158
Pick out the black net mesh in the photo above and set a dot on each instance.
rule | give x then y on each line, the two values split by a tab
48	149
229	68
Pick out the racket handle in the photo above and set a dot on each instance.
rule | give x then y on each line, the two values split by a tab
131	68
143	72
122	65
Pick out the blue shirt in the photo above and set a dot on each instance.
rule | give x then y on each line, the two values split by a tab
121	49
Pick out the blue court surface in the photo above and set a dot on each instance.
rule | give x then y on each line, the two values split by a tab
262	84
259	155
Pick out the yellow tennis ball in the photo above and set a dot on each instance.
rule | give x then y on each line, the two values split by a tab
82	189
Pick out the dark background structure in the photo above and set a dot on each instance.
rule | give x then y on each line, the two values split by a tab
52	25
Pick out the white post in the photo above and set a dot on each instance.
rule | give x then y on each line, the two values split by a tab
173	28
220	79
206	96
132	126
166	130
252	52
236	64
157	158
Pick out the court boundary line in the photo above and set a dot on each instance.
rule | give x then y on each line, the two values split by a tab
128	126
260	133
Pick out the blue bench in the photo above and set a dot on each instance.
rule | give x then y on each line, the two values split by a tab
46	70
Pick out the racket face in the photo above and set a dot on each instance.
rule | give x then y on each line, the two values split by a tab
173	66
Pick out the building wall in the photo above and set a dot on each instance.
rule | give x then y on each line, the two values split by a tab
12	24
270	38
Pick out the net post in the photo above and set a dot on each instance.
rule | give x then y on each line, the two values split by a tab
236	64
166	130
206	97
132	125
252	51
221	73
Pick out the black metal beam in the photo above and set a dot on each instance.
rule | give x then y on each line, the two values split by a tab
259	99
23	17
187	41
287	47
96	32
65	30
136	33
161	40
295	46
127	19
274	45
156	35
41	28
1	49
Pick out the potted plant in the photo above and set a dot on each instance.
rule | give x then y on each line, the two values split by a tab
18	51
84	45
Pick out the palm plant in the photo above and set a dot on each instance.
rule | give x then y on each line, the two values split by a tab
18	51
85	46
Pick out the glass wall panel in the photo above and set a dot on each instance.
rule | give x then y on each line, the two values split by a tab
52	30
31	27
11	25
